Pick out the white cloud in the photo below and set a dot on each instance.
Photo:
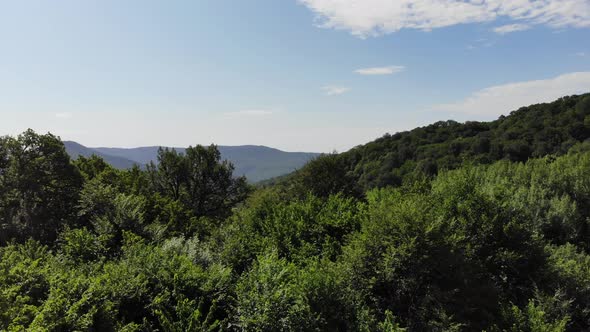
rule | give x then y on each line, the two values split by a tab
375	17
331	90
63	115
582	54
504	29
380	70
502	99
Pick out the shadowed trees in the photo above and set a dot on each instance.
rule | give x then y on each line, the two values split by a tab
39	187
198	179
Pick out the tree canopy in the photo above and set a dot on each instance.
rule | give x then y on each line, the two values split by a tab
492	233
529	132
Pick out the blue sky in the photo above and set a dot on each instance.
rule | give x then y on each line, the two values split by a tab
299	75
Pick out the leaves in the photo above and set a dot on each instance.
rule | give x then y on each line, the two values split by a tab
185	246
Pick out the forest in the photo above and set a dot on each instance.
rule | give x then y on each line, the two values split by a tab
476	226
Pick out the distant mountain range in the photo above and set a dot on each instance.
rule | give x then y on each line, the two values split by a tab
257	163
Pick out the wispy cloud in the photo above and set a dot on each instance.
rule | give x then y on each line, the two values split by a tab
63	115
249	113
388	70
332	90
501	99
376	17
504	29
480	43
581	54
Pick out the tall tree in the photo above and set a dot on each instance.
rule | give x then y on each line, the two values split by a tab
199	179
39	187
170	174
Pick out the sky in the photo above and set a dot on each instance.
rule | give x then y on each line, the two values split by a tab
298	75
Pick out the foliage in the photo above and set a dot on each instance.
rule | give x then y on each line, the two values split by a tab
199	180
529	132
481	245
39	187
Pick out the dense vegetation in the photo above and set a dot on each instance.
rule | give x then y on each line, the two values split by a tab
186	246
529	132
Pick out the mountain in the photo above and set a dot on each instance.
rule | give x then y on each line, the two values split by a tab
529	132
75	149
255	162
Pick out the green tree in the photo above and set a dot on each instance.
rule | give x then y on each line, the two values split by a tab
270	298
200	180
39	187
324	176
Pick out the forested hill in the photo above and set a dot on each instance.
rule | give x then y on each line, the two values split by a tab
256	163
532	131
185	245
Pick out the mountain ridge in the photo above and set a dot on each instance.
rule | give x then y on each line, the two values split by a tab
256	162
75	149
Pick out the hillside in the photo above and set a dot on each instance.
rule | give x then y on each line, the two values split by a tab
75	149
186	246
529	132
255	162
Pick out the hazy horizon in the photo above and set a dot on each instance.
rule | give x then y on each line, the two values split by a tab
176	146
